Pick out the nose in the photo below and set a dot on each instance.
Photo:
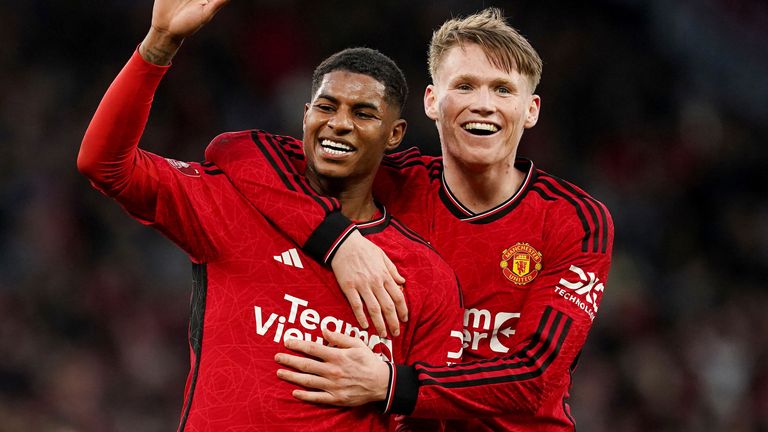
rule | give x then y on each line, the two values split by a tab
483	102
341	122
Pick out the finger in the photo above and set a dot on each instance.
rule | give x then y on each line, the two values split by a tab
395	290
340	340
374	311
397	296
312	349
304	380
357	306
393	271
388	309
301	364
317	397
215	5
212	7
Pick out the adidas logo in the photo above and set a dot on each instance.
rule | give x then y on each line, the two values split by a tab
290	258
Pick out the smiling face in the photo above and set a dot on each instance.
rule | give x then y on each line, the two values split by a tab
348	126
480	110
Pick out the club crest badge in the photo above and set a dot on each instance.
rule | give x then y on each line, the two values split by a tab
520	263
184	168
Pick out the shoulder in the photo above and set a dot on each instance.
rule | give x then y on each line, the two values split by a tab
267	138
228	144
251	135
241	144
412	159
408	168
254	136
572	211
561	192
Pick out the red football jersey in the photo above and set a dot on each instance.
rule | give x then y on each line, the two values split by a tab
253	287
532	270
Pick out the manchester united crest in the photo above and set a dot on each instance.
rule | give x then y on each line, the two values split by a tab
520	263
184	168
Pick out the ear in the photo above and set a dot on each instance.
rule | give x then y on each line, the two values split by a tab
397	134
534	107
304	119
430	102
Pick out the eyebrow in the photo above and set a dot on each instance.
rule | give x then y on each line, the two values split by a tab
357	105
470	77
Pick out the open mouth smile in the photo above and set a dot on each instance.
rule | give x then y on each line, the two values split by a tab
480	128
335	148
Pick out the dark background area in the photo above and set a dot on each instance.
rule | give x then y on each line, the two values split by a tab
657	108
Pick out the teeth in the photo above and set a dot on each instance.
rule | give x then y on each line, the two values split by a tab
481	126
335	148
333	152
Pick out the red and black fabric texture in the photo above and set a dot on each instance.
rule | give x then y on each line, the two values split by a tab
253	286
532	270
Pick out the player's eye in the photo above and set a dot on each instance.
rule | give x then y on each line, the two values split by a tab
365	115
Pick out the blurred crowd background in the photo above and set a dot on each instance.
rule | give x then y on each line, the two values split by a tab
659	109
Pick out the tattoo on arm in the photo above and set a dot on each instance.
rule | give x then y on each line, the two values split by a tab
159	48
157	55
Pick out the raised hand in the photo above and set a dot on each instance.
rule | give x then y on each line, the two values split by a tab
172	22
182	18
366	275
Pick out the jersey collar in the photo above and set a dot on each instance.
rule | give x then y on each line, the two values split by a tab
462	212
377	224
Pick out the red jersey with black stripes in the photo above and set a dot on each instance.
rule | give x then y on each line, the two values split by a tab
532	270
253	287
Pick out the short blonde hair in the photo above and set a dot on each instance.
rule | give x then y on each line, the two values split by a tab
504	46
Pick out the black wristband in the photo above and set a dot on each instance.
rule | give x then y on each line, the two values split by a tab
327	237
406	390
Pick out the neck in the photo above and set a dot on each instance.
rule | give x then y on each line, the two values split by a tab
482	188
355	196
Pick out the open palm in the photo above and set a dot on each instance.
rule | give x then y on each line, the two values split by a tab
182	18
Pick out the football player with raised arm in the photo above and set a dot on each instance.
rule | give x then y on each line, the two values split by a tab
253	287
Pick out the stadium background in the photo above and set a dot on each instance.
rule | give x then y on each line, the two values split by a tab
657	108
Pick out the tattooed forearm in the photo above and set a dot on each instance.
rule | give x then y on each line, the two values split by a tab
158	48
157	55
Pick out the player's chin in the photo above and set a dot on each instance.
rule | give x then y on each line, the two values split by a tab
474	154
332	169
